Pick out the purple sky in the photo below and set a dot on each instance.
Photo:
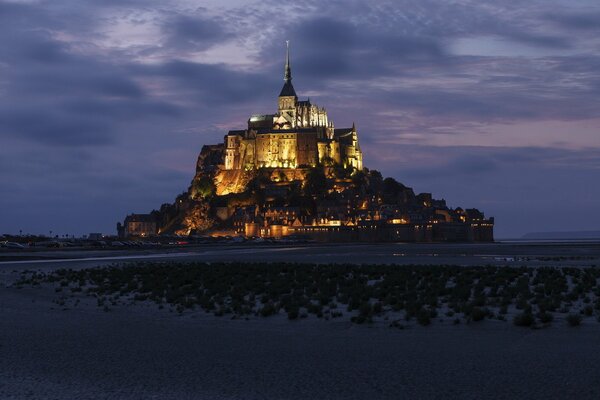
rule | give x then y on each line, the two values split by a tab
104	105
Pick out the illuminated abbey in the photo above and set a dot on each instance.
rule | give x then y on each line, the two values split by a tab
298	135
293	175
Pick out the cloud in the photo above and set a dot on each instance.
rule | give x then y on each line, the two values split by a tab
578	21
53	94
538	40
326	48
199	32
55	130
195	32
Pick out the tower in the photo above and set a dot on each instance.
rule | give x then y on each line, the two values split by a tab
287	97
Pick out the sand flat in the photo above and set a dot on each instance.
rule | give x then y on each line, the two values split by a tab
140	352
137	351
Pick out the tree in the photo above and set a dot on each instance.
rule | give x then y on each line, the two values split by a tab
315	184
196	219
375	181
392	187
205	187
360	181
342	172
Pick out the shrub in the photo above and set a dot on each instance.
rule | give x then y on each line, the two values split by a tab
545	317
396	324
359	319
523	319
477	314
574	319
365	309
314	309
267	310
423	317
377	308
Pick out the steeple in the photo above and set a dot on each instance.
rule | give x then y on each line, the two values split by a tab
288	88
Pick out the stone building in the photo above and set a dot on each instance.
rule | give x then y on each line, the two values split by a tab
300	134
138	225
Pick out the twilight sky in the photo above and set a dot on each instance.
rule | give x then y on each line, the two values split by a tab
105	104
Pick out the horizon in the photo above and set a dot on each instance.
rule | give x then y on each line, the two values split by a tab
105	107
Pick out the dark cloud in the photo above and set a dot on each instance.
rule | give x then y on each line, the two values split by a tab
213	84
56	130
578	21
195	32
323	46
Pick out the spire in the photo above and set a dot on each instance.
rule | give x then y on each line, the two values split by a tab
287	89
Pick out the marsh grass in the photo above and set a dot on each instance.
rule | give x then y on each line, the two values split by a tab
365	293
574	319
524	319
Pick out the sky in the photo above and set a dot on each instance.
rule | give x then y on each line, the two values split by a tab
105	104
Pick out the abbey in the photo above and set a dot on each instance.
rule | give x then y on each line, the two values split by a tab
293	175
299	135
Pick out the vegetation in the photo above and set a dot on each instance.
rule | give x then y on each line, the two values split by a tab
524	319
204	188
363	293
574	319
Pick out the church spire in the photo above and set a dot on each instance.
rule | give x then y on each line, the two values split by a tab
288	89
287	77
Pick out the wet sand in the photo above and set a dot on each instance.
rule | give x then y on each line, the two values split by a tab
582	254
137	351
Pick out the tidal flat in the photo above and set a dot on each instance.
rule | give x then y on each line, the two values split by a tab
191	329
532	297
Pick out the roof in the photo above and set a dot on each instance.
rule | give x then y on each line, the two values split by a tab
263	131
342	131
261	117
140	218
288	89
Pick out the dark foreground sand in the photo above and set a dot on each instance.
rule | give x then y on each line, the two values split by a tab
138	352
